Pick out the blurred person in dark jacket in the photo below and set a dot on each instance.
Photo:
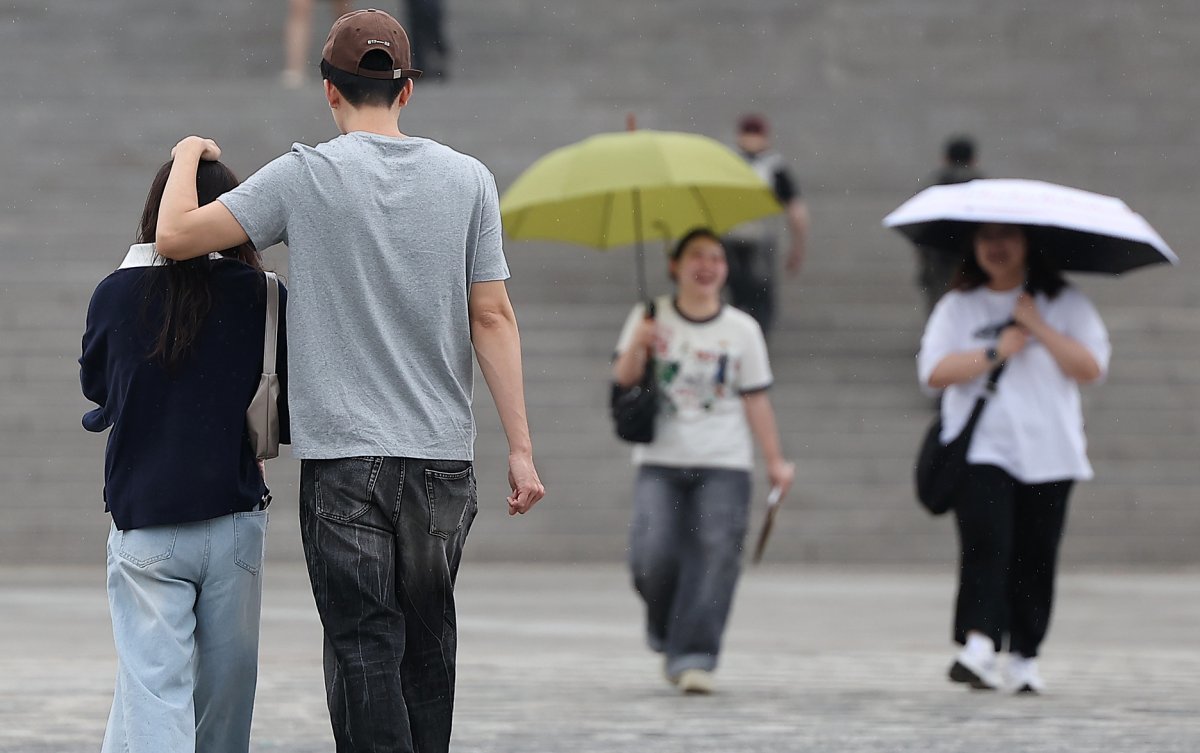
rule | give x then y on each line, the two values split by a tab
427	27
936	267
751	246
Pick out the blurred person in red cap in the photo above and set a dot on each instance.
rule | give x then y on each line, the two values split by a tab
297	33
751	246
397	272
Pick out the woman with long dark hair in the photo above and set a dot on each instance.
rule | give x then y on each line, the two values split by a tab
172	356
1011	308
691	499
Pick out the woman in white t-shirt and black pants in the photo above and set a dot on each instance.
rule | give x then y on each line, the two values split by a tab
1028	449
692	494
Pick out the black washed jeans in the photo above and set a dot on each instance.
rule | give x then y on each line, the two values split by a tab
1009	535
383	538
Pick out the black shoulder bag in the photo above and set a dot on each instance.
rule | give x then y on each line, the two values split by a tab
941	467
634	408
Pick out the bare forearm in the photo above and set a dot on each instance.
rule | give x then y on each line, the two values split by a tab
761	417
497	343
797	218
185	229
630	366
179	198
957	368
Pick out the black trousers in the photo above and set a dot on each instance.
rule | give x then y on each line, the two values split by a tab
751	281
426	30
1009	535
935	275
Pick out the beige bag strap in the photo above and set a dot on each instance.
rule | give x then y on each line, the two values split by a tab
271	334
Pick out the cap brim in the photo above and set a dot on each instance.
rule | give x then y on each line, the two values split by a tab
391	75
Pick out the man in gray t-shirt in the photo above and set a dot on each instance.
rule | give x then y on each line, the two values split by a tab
397	272
387	235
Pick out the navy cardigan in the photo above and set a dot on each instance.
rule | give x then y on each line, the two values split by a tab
178	451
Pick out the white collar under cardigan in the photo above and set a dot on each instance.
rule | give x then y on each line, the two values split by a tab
144	255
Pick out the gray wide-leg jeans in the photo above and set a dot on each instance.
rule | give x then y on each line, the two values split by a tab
685	552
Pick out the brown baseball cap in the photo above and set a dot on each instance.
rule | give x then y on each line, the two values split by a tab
355	34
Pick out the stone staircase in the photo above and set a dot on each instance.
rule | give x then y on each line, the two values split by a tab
861	95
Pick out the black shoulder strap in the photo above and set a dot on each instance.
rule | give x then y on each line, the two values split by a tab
993	378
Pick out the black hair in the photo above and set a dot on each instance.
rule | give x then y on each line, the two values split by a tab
360	90
1040	275
186	299
960	150
693	234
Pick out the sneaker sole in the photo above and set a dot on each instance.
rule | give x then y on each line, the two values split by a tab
963	674
690	684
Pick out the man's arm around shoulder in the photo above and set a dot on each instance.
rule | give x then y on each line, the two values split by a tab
497	345
186	230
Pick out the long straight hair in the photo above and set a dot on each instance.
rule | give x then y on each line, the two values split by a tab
186	297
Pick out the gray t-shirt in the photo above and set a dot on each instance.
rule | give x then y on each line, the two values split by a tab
386	236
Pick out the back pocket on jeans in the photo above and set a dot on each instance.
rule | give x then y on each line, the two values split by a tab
451	494
344	487
249	539
145	546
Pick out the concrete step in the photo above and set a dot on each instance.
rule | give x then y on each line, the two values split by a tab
879	88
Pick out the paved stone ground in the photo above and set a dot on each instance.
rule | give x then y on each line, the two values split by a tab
551	661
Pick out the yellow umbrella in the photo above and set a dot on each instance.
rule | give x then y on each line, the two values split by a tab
614	189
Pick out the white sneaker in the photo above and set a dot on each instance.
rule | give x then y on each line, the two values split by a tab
976	669
696	682
1021	676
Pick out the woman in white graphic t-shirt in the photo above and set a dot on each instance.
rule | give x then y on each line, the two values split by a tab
692	494
1010	307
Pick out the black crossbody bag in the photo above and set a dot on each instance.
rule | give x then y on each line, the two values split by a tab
941	467
635	408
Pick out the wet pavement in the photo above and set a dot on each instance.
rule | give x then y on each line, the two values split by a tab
551	660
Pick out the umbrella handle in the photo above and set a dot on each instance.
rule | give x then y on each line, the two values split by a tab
775	496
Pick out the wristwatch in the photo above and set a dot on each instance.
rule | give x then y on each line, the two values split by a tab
992	355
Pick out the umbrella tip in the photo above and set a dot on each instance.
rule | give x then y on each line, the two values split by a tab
630	122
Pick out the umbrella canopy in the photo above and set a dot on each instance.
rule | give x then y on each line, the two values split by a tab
1076	230
615	189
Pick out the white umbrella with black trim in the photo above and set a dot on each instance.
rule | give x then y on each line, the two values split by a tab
1076	230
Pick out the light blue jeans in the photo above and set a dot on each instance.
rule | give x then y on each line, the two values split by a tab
185	603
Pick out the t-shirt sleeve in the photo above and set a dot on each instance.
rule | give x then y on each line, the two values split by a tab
1085	326
939	340
489	264
636	315
755	373
261	203
785	187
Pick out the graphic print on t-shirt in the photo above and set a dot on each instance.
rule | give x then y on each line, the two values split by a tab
991	331
696	378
